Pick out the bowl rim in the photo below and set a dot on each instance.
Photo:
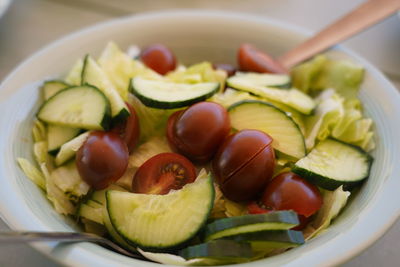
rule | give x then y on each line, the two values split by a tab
82	254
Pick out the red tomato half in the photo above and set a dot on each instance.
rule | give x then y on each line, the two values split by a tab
288	191
252	59
129	130
162	173
198	131
102	159
244	164
158	58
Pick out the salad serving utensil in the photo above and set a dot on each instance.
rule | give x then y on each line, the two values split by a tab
30	236
364	16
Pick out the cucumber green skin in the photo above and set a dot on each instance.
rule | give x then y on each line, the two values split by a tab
218	249
105	122
55	151
282	238
170	105
121	116
332	184
285	217
233	106
173	247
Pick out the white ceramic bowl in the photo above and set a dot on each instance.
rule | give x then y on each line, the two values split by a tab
194	36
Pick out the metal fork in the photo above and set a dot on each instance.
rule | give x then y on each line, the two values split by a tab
24	236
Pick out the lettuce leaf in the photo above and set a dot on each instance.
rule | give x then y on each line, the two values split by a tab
39	132
333	203
32	172
305	75
201	72
60	201
340	118
321	73
70	182
152	121
328	113
118	66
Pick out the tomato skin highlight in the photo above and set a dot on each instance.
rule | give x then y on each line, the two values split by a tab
159	58
102	159
288	191
244	164
198	131
129	130
162	173
251	59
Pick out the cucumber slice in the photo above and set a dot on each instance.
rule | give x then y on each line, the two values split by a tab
59	135
291	97
162	221
278	220
74	77
88	212
260	79
221	250
50	88
333	163
68	150
114	234
118	66
77	107
259	115
100	195
169	95
269	240
94	75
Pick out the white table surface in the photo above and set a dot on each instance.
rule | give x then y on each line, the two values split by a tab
29	25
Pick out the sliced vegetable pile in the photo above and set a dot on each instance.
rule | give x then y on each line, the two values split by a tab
205	164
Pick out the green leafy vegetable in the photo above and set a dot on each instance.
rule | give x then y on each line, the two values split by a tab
334	202
321	73
32	172
201	72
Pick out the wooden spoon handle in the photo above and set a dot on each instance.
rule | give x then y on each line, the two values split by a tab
359	19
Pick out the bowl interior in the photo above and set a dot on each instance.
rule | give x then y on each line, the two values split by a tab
194	37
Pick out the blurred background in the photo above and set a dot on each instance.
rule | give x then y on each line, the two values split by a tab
29	25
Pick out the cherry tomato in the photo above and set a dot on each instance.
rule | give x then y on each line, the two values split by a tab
198	131
254	208
102	159
229	69
252	59
159	58
129	130
162	173
244	164
288	191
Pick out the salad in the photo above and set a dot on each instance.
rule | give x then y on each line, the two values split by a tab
203	164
